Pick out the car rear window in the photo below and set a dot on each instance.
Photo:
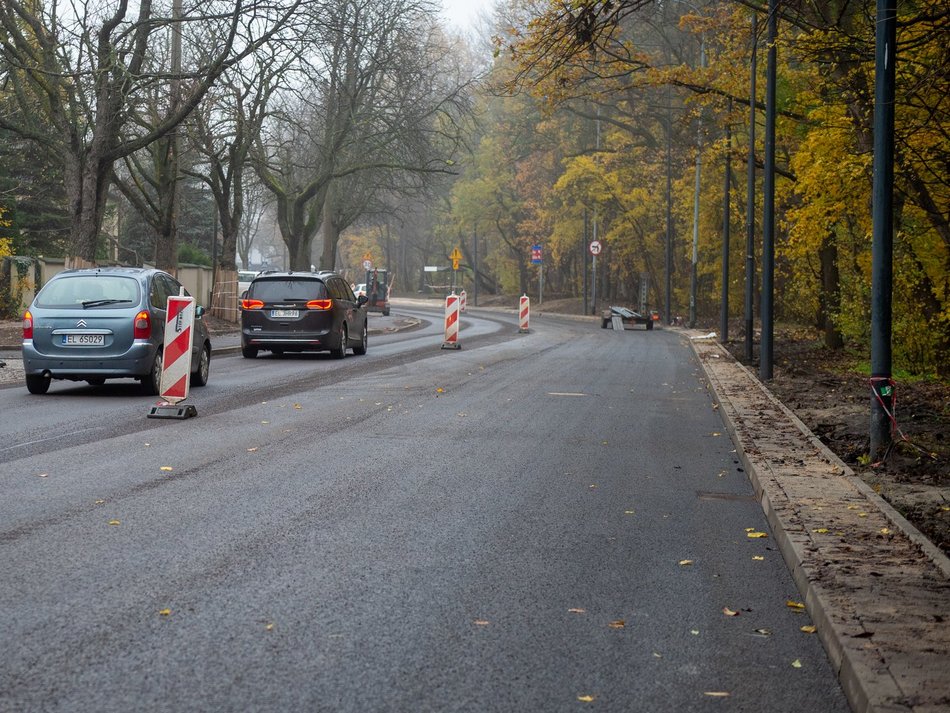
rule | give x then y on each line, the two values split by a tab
287	290
90	291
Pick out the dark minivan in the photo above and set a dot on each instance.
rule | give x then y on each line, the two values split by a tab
302	312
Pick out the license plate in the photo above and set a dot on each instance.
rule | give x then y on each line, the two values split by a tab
284	313
84	340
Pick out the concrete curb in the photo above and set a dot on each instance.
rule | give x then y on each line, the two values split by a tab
874	676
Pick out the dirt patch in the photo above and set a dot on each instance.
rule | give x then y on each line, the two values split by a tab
826	391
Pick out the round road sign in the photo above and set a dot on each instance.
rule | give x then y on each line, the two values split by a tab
595	247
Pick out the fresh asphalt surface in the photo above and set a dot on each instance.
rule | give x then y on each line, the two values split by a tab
495	529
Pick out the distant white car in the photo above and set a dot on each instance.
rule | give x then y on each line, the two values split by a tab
360	289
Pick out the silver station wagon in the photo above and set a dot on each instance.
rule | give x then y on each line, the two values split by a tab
105	323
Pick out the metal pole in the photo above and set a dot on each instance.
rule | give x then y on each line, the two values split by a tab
593	306
768	204
584	256
475	272
724	302
540	283
593	269
882	400
693	277
750	202
669	209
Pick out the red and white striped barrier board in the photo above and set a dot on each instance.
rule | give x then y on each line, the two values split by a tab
462	298
524	314
176	356
451	323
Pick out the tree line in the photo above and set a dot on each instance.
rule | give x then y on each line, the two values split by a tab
128	127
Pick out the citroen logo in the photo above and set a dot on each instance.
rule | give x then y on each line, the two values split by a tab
81	323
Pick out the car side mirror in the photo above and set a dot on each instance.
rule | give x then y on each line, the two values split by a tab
244	295
199	312
362	300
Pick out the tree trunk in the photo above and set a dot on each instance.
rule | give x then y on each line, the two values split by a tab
829	301
86	192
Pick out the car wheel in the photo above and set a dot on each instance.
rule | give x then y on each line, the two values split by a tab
199	377
37	384
152	382
364	341
95	382
249	352
340	352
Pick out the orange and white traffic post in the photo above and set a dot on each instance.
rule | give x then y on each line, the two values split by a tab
524	314
462	298
451	340
176	359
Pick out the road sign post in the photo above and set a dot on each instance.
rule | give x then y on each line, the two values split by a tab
595	249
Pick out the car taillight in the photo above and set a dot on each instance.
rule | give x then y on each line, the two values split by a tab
142	327
27	325
252	304
319	304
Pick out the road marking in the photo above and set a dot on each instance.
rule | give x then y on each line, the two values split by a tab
564	393
51	438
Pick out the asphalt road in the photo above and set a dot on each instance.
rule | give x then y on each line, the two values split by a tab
502	528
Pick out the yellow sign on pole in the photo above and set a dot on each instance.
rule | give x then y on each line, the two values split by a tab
368	256
455	257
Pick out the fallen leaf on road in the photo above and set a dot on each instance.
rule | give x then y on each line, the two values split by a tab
809	628
758	558
657	656
821	530
577	611
716	434
717	694
298	406
265	422
269	627
756	535
100	502
685	563
796	664
440	390
114	522
166	468
618	624
729	612
694	632
481	622
586	699
628	512
251	450
763	632
862	514
885	531
165	612
794	605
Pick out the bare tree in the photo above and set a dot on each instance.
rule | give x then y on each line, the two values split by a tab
75	75
382	102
